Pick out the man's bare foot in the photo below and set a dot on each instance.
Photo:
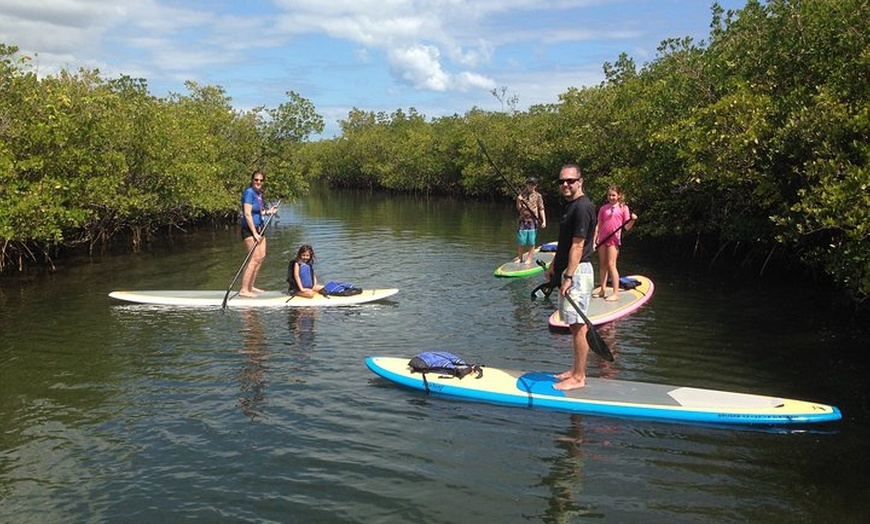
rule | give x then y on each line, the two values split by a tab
247	294
570	383
258	290
612	298
600	295
565	374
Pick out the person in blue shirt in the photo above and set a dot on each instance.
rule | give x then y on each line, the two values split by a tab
300	273
252	222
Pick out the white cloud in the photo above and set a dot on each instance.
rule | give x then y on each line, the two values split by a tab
61	13
419	65
362	55
422	39
445	55
467	80
57	29
417	36
479	54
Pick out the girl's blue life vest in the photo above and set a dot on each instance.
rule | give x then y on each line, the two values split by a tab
306	275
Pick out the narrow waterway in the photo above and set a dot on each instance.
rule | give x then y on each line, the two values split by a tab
124	413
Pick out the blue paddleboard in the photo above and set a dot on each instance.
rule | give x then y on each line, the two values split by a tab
610	397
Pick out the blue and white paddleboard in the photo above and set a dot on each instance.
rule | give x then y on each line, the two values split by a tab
610	397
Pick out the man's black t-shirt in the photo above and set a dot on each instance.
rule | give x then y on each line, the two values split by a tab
579	220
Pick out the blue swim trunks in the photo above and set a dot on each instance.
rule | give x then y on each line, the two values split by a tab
527	237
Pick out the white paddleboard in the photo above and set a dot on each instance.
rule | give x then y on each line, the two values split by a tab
267	299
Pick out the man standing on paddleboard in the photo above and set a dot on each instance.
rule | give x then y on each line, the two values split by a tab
573	264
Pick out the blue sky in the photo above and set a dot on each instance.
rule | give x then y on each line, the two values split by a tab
438	56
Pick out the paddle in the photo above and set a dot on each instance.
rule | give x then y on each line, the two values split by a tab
247	258
546	288
615	231
508	182
596	343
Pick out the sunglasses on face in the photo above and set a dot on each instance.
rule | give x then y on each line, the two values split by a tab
258	180
569	181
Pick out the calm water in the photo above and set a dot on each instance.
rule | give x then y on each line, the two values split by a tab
124	413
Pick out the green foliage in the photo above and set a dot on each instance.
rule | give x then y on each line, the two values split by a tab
282	134
755	138
84	159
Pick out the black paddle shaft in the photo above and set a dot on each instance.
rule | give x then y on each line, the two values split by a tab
596	343
615	231
507	181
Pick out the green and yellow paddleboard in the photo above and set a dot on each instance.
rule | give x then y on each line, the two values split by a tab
515	269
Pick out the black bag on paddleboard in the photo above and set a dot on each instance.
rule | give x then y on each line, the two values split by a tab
443	363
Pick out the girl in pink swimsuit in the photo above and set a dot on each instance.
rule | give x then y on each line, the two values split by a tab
611	218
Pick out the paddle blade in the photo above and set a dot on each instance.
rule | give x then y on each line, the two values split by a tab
546	289
597	344
542	291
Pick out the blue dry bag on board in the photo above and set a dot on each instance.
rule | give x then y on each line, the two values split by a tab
625	282
443	363
340	289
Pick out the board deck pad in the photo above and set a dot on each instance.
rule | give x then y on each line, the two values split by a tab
601	311
610	397
267	299
515	269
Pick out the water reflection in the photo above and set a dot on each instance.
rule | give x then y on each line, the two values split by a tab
565	479
124	413
252	377
608	333
301	322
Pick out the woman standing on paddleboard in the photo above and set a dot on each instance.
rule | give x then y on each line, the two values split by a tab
253	211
